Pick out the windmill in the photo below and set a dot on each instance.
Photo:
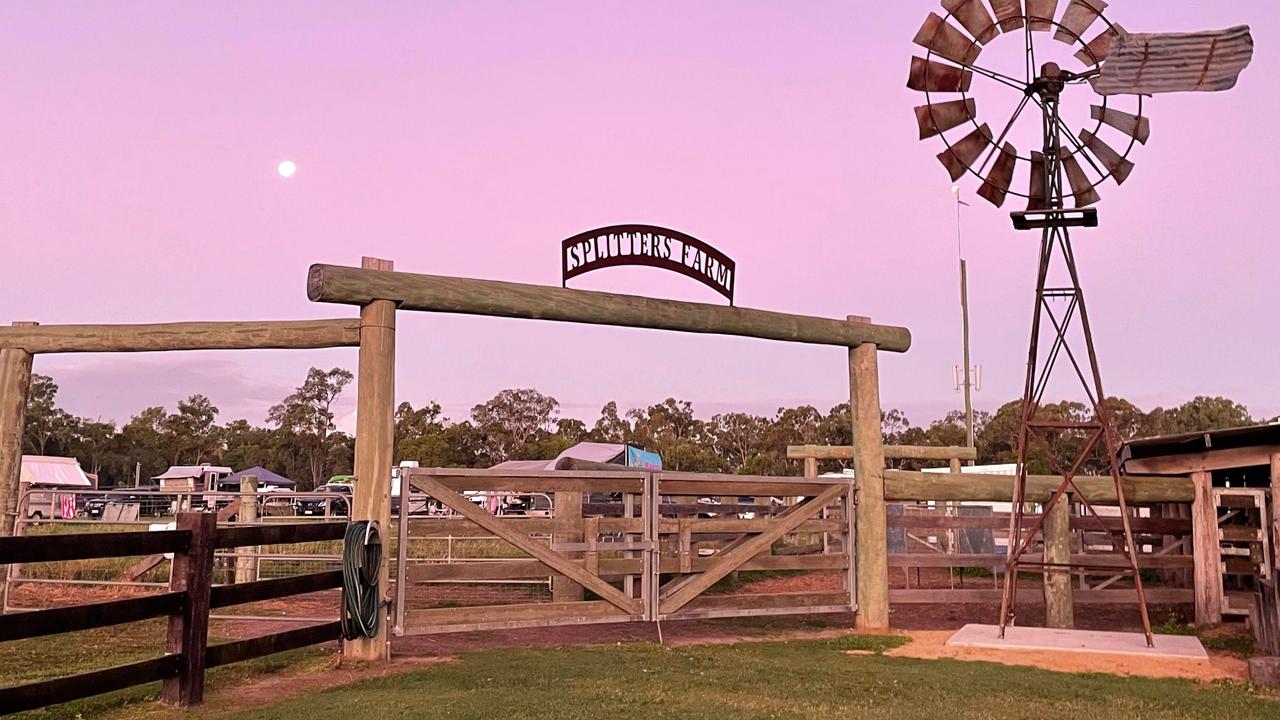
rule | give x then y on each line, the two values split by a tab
1047	65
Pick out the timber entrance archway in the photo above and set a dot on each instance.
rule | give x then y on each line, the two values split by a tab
380	292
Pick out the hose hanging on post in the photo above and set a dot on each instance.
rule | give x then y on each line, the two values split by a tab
361	565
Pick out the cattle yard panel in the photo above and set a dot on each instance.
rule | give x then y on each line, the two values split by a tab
626	546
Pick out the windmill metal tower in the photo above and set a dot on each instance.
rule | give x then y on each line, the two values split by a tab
1112	67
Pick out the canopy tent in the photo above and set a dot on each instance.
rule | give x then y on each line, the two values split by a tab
266	478
611	453
49	471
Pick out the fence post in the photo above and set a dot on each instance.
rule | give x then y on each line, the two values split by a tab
247	563
567	515
189	630
1058	610
375	438
1275	510
15	383
868	462
1206	550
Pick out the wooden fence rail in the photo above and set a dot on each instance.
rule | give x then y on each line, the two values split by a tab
187	604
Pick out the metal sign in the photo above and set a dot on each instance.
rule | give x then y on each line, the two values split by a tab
650	246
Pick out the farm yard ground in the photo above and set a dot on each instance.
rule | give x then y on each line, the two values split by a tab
803	666
845	676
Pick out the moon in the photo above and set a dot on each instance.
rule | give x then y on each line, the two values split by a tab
286	168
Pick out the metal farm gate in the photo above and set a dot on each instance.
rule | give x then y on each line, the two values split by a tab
620	546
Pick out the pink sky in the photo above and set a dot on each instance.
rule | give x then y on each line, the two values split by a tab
468	138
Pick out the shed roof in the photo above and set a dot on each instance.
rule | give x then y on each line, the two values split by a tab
1197	442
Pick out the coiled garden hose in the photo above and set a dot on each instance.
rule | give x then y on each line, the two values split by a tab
361	564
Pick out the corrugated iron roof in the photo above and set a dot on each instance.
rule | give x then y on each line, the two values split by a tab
1195	442
1150	63
48	471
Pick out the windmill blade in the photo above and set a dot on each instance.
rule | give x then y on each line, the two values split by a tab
930	76
944	39
1099	48
1035	193
1117	165
1079	17
936	118
1137	127
1081	189
1040	14
1151	63
973	15
958	158
996	186
1008	14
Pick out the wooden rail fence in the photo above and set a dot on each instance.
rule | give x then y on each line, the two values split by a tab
187	603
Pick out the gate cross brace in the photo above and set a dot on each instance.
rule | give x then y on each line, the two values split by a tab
743	550
538	551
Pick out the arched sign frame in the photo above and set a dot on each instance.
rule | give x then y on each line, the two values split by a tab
648	246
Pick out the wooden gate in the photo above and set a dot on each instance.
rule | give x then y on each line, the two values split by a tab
620	546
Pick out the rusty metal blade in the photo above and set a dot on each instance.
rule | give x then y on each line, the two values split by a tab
1078	18
1137	127
1151	63
1040	14
961	156
1035	192
1118	166
1099	48
944	39
995	188
941	117
1081	189
930	76
973	15
1008	14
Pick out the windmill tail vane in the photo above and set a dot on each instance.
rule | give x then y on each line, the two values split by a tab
1068	54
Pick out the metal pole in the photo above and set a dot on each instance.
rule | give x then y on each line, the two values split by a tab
968	368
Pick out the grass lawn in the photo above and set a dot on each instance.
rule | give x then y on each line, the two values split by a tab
35	659
803	679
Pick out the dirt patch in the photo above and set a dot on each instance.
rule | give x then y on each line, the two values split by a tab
931	645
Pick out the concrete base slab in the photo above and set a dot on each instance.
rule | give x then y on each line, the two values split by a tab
1092	641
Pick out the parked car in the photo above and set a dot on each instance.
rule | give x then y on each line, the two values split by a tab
150	503
338	504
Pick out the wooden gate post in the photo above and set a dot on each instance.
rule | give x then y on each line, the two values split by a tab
375	436
247	563
868	462
1206	551
189	629
15	385
1275	510
567	514
1058	610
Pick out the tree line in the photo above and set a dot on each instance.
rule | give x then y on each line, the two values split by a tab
299	439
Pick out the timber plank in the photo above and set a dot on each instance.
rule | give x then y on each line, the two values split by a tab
37	623
261	646
74	687
88	546
240	593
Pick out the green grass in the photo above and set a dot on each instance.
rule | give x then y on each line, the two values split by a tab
806	679
35	659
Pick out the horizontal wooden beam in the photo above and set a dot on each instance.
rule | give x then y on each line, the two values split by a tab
74	687
434	293
1259	456
608	567
90	546
992	560
160	337
278	534
891	452
240	593
565	612
52	621
906	485
1000	521
263	645
1155	596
